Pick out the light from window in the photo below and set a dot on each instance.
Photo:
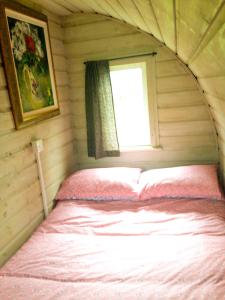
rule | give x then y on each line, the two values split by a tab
129	88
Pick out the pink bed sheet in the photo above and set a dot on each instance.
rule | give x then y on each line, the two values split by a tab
157	249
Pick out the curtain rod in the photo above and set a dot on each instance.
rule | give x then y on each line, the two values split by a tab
124	57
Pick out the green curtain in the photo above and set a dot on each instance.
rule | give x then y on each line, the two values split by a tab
101	125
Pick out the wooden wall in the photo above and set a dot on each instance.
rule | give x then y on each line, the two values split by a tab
20	196
187	133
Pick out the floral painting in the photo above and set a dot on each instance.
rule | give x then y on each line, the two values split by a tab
30	57
33	68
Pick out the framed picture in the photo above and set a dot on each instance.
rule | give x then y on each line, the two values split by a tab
28	64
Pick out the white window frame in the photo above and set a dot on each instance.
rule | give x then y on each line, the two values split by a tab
150	78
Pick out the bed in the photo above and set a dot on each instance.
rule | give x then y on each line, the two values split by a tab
152	241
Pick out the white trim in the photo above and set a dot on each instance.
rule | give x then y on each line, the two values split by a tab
38	148
152	100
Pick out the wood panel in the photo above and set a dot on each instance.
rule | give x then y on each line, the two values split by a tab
98	30
149	16
193	18
96	49
214	86
157	158
191	128
176	83
164	12
179	114
21	208
5	103
186	132
179	98
170	68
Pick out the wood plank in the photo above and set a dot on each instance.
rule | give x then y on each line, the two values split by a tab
80	18
145	9
81	6
77	80
216	103
5	102
77	94
95	6
97	31
192	128
57	47
206	154
16	183
170	68
214	86
55	30
32	5
57	172
165	17
18	222
180	98
19	140
15	163
59	155
214	54
2	78
221	146
134	14
53	188
184	142
164	54
58	141
76	65
78	108
63	93
112	47
221	134
19	239
79	122
69	5
122	14
61	78
147	165
193	19
52	17
54	8
11	206
80	134
216	23
176	83
112	10
219	118
194	113
60	63
6	123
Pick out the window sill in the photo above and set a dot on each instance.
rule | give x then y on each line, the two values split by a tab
140	148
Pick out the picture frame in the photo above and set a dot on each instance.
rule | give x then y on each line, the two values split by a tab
28	63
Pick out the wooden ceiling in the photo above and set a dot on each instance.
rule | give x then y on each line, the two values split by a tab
186	26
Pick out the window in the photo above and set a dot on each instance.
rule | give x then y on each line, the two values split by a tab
133	90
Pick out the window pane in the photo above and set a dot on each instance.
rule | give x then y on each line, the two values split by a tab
131	109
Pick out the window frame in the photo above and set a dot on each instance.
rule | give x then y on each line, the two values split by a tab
150	78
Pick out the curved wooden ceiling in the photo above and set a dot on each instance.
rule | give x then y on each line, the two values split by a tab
194	29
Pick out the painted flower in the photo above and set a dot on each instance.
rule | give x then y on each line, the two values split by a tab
30	43
25	39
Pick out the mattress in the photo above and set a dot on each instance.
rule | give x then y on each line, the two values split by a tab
154	249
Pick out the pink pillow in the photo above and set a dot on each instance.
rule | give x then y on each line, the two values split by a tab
199	181
101	184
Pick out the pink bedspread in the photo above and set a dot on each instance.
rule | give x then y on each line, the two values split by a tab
158	249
